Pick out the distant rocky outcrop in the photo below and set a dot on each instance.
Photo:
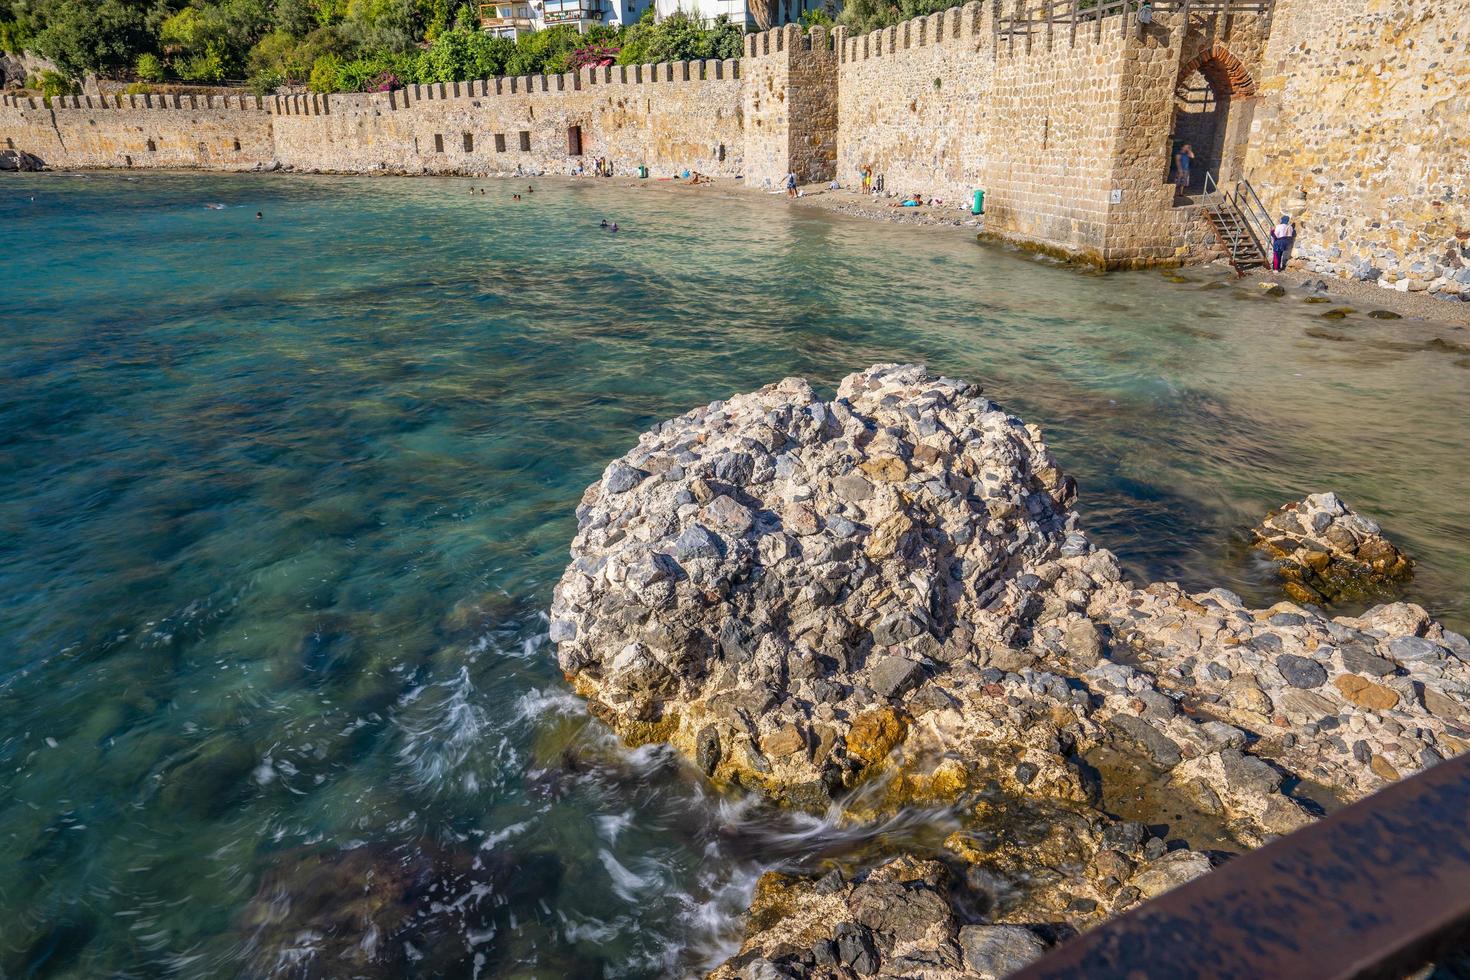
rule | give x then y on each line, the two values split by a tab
19	160
883	600
1328	553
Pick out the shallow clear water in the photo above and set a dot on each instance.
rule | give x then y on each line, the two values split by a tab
282	502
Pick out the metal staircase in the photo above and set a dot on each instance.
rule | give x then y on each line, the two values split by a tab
1240	221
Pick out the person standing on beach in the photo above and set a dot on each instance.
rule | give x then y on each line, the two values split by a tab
791	184
1282	237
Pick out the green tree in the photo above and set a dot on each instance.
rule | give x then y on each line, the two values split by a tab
295	18
544	51
381	25
459	54
18	24
86	36
679	37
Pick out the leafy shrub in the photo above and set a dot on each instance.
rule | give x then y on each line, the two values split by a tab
817	17
460	54
149	67
54	83
326	74
208	67
594	55
679	37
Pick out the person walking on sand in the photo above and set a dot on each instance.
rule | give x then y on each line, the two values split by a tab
1182	162
1282	237
791	184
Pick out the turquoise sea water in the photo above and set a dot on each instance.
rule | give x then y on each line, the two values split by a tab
282	503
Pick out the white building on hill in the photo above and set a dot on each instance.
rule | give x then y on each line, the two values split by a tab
515	18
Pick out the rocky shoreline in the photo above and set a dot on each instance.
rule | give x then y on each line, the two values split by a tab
885	601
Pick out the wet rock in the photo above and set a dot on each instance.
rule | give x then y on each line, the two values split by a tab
1168	872
1327	553
1159	747
993	952
855	949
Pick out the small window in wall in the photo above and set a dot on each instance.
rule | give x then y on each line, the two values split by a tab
469	143
237	146
438	142
525	141
499	142
574	141
152	147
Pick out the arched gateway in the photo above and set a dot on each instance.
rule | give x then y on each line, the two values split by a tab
1212	110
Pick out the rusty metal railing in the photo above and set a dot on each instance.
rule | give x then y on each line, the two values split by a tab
1376	890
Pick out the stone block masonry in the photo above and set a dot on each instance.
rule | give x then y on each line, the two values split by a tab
667	117
1350	114
790	103
1363	136
173	131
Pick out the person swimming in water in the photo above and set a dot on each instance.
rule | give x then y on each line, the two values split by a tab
613	227
604	223
258	216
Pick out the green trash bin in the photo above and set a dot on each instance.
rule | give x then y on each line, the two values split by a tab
643	172
979	205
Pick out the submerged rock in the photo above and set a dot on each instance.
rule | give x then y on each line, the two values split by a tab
884	601
1328	553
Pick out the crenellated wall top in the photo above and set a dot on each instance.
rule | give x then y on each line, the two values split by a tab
314	104
946	26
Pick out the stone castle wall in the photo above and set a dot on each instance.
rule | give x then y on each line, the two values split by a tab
1363	135
790	106
667	117
1351	114
913	102
175	131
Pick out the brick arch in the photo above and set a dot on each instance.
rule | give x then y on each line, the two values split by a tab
1226	73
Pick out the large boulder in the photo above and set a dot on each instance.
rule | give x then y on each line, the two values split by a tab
1327	553
770	582
882	600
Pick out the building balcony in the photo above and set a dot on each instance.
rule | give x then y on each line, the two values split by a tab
507	19
573	11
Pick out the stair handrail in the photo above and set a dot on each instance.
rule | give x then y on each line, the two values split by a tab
1258	220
